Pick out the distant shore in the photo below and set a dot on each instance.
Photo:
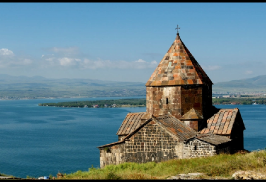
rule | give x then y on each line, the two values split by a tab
135	102
215	101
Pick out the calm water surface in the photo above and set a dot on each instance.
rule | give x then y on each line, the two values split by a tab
37	141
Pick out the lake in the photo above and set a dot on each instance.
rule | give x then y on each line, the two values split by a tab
39	141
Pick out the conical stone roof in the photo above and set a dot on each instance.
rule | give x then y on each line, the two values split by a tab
178	67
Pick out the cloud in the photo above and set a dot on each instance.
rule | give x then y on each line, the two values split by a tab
86	63
248	72
67	58
68	61
26	61
6	52
211	68
9	60
99	64
140	61
72	58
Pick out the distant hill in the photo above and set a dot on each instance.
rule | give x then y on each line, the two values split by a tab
254	84
22	86
13	87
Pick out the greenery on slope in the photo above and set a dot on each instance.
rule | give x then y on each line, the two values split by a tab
223	165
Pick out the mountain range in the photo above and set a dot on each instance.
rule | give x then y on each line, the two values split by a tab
37	86
255	84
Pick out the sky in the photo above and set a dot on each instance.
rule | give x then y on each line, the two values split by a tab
126	41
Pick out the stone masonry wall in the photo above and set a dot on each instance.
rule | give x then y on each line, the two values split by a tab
191	97
178	100
112	155
151	143
198	148
161	100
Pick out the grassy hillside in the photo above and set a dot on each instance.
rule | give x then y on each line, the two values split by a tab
219	166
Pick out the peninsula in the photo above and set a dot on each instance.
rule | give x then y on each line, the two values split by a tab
140	102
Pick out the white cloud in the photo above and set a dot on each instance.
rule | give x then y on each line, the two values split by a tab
68	61
138	64
26	61
65	61
140	61
6	52
248	72
98	64
69	57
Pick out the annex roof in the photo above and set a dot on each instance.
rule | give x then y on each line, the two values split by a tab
176	127
191	114
130	123
213	139
178	67
222	122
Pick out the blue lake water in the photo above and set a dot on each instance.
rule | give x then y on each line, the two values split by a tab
38	141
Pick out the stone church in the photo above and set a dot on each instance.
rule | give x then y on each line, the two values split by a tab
180	120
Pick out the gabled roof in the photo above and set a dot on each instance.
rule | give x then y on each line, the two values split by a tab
168	122
213	139
130	123
191	114
178	67
175	126
222	122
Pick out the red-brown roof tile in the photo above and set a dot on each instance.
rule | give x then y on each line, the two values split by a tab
222	122
176	127
179	65
130	123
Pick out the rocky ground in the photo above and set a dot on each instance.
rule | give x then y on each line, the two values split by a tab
239	175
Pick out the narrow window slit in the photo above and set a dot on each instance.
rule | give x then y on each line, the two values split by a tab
166	100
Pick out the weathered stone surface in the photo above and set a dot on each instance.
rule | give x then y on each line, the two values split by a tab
248	175
197	148
186	176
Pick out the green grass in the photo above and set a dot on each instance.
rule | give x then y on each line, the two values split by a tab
223	165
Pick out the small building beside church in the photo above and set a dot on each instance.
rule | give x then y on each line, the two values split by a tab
180	120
